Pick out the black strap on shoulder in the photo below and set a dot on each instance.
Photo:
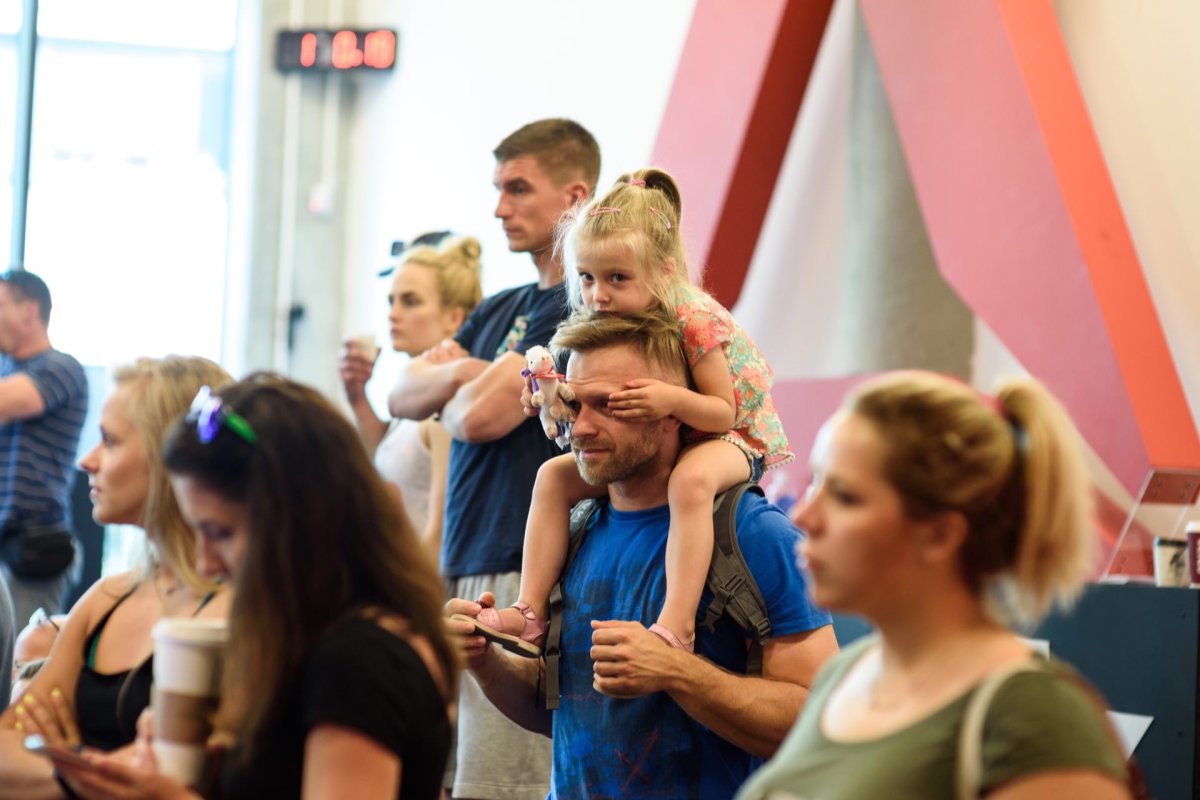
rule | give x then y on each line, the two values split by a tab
581	514
735	592
93	638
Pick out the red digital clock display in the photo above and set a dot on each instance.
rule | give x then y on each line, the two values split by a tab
335	50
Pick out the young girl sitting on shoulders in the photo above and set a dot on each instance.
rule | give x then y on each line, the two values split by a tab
623	254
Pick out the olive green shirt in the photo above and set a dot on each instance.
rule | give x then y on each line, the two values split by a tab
1037	721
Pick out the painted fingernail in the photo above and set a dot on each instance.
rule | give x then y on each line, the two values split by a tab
20	710
30	699
56	693
20	726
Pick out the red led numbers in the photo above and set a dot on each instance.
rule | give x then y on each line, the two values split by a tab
379	49
335	50
345	53
308	50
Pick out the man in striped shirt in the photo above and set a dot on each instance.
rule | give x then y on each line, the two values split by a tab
43	402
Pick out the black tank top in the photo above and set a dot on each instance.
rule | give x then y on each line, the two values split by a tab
107	705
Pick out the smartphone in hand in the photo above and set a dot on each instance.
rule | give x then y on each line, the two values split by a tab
59	754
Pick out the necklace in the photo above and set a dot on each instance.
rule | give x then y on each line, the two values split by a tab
161	585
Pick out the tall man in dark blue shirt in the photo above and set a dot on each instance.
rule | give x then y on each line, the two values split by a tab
475	381
43	402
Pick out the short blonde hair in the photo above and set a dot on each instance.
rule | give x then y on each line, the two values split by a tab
651	335
1014	468
456	261
159	391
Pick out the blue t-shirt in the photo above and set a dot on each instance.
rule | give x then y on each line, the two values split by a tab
489	484
37	454
648	746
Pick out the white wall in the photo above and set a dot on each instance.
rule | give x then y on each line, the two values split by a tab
470	72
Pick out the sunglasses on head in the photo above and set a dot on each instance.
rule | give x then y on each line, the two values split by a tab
210	415
40	618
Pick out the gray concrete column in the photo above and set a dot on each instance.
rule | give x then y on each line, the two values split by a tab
287	199
896	310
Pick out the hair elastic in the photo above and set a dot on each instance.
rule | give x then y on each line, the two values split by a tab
1020	437
598	210
661	216
994	405
637	182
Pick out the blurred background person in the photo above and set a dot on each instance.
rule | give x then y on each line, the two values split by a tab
43	403
33	647
433	290
97	679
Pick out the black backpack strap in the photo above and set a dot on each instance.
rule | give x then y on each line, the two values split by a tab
581	515
735	592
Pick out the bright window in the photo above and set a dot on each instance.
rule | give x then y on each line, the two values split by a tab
128	186
128	205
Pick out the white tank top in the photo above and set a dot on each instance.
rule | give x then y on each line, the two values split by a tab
403	459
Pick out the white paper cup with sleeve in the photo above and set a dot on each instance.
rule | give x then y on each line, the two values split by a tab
187	688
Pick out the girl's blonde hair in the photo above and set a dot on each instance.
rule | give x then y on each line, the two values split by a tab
641	214
1012	465
159	390
456	261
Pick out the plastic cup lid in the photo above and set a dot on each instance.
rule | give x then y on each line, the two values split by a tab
195	631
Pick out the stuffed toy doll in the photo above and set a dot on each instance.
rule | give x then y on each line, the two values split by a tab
550	395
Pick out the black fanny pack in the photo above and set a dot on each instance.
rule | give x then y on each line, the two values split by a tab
38	552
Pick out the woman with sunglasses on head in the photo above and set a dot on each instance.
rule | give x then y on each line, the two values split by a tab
338	675
97	678
32	648
945	517
433	291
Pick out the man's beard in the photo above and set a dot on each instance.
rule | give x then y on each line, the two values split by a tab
621	465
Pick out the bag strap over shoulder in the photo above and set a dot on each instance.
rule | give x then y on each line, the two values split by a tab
581	515
734	590
969	766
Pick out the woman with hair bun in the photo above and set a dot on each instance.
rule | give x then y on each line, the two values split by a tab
432	292
945	517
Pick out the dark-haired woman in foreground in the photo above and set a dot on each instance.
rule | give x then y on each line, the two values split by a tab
338	675
943	516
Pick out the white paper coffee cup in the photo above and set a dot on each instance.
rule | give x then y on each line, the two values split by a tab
1170	562
366	344
187	689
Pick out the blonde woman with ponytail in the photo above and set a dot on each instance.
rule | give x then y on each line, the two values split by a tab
945	517
432	292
